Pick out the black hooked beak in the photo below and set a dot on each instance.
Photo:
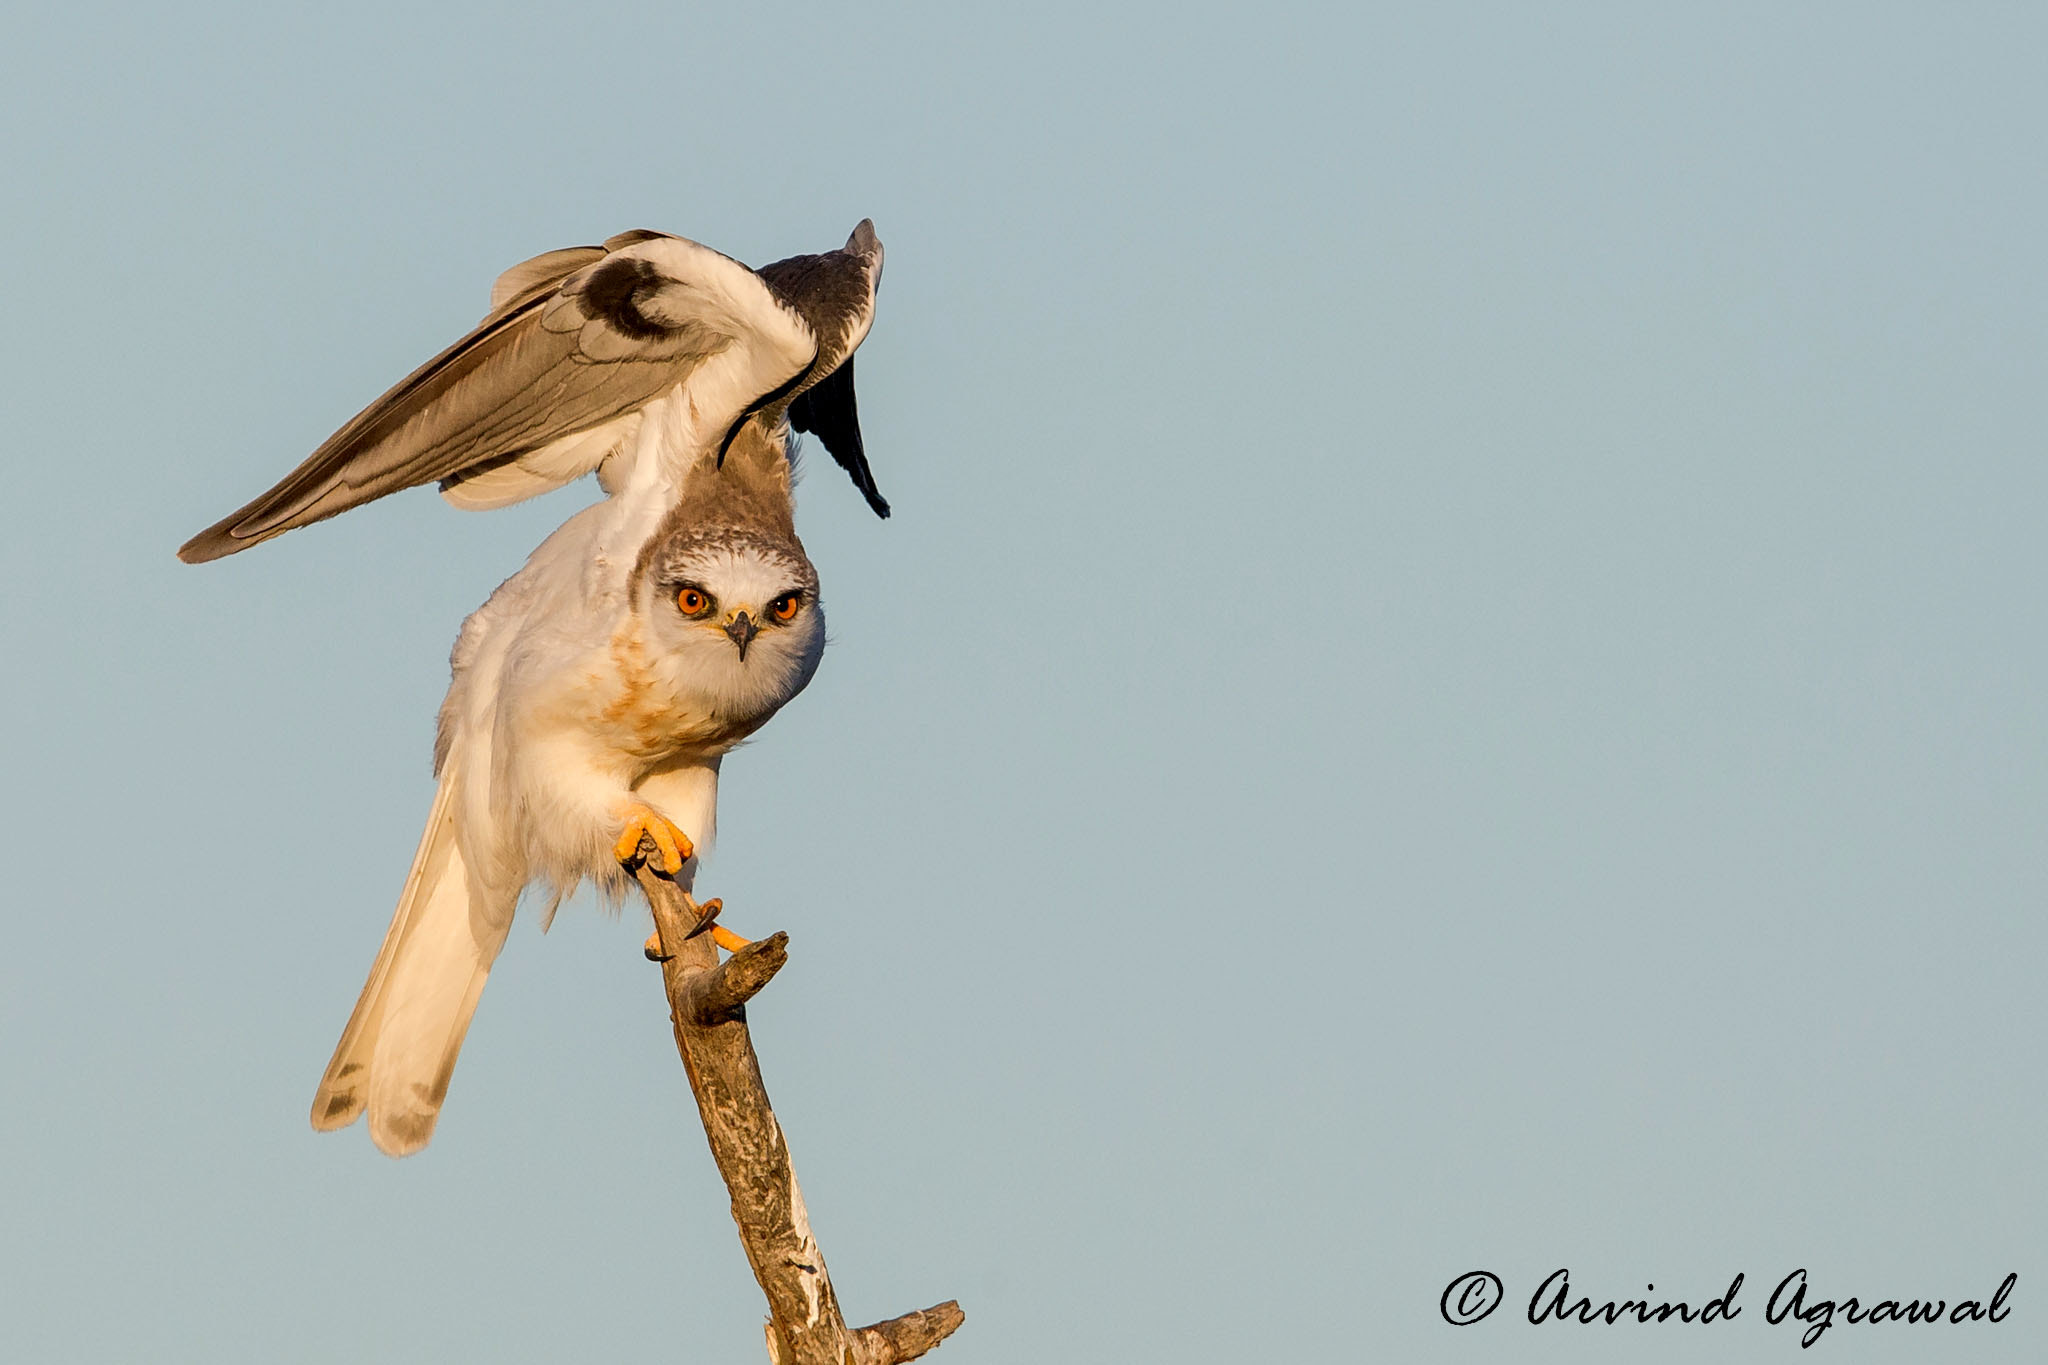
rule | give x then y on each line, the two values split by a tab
742	630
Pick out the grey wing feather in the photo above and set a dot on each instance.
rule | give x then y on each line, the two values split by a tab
515	383
577	339
838	290
634	236
542	275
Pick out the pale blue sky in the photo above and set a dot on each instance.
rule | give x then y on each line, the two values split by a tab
1456	681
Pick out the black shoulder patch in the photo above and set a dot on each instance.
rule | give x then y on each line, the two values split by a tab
613	292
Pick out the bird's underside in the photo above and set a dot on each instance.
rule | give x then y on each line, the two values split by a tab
555	381
593	699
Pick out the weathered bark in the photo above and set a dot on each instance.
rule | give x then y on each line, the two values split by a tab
907	1337
707	1006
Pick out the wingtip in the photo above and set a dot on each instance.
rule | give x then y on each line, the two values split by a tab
224	538
208	545
863	239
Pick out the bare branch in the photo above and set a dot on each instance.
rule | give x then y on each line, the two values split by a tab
707	1006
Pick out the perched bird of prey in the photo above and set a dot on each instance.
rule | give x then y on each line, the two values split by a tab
630	360
593	697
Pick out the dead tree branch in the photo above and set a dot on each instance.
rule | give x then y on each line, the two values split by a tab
707	1005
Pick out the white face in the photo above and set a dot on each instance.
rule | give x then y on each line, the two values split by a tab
742	624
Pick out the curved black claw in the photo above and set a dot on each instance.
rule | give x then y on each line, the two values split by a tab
706	913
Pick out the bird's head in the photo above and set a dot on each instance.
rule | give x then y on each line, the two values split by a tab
735	614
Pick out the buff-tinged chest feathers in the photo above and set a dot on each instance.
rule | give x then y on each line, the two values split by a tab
651	709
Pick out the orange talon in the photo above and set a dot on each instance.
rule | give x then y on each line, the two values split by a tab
727	939
673	845
652	948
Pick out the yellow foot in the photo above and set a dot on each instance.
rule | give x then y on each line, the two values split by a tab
727	939
673	845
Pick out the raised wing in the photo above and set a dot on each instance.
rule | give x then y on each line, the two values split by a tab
575	340
836	294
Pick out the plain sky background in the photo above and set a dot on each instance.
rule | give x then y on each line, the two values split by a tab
1456	681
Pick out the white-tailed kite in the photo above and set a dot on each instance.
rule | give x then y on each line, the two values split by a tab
596	692
629	359
594	695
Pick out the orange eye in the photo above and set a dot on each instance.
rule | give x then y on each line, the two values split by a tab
784	607
693	601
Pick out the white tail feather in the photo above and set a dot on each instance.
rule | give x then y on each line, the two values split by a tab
399	1048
